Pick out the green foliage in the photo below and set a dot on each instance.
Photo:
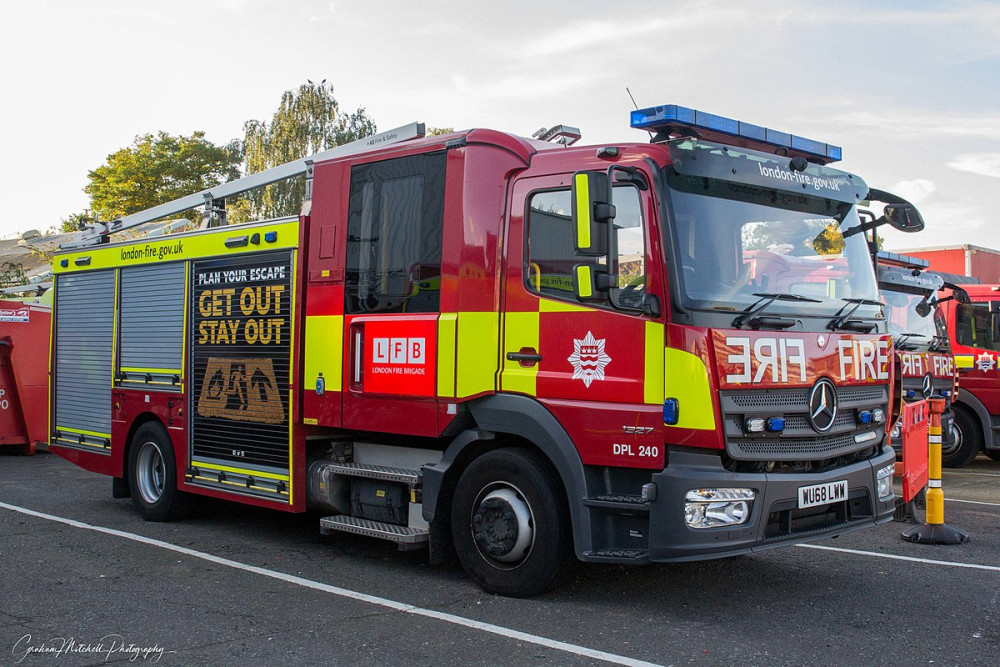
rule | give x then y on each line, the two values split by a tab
829	241
437	131
157	169
73	222
308	120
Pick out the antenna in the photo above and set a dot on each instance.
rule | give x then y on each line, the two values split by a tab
637	108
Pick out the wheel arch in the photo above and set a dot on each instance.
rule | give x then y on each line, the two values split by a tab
505	420
968	402
137	423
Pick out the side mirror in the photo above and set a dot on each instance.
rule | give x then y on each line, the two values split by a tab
592	211
961	296
904	217
923	309
587	282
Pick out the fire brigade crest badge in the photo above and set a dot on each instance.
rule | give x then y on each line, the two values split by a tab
984	362
588	359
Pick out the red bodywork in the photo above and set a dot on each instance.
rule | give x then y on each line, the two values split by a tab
982	379
965	260
25	380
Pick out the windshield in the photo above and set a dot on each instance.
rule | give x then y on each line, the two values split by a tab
911	327
733	241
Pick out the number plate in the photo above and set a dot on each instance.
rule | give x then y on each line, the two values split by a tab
822	494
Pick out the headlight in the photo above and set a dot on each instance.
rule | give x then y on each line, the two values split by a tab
709	508
883	481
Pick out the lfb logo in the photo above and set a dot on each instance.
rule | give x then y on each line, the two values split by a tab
399	350
589	359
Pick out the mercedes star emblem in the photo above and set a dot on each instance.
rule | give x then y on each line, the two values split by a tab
927	386
823	405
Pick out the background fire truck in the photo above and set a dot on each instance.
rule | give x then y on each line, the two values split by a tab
514	349
974	330
24	381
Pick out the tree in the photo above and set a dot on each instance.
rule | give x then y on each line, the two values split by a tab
157	169
74	222
308	120
12	274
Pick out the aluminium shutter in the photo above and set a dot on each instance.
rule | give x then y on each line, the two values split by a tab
151	330
84	342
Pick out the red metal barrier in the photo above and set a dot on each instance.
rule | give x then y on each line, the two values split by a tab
12	429
914	432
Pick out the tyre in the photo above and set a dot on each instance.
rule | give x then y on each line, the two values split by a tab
152	476
968	440
510	523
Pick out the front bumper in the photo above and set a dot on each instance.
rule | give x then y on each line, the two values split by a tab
774	520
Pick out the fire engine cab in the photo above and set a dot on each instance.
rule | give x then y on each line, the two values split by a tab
515	349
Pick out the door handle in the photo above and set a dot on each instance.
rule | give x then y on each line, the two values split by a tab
526	357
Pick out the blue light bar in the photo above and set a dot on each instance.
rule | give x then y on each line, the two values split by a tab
672	115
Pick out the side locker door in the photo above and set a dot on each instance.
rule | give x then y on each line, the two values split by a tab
393	294
240	368
596	365
83	359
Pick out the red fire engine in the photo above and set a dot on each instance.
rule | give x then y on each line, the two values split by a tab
516	349
974	328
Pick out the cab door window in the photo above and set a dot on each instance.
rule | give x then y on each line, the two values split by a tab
973	326
551	253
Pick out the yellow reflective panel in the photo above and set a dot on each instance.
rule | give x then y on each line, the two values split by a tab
582	183
653	380
446	344
520	331
478	353
685	377
324	351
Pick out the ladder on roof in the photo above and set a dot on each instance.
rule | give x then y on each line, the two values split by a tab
213	199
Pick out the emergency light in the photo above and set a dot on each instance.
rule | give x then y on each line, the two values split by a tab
671	116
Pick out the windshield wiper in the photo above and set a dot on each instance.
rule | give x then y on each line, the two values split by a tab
900	342
844	322
751	315
938	342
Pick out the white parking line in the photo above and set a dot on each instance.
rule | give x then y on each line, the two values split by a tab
971	566
971	502
343	592
957	473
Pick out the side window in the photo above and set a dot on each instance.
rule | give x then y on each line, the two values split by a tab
973	326
394	229
551	253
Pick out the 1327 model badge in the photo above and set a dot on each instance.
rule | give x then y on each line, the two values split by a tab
588	359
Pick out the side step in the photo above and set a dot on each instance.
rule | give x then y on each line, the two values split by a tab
618	503
406	538
627	556
384	473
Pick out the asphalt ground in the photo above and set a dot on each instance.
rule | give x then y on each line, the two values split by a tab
84	581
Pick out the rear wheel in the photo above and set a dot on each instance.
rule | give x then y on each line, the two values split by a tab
510	523
968	440
152	476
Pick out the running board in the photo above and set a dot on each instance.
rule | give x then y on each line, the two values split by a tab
625	556
384	473
406	538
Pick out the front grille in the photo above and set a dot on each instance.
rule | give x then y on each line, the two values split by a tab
798	441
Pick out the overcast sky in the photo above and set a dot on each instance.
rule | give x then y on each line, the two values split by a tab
909	89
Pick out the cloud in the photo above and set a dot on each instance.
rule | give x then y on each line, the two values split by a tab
984	164
916	191
920	125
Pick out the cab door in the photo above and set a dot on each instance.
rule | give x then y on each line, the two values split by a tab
597	365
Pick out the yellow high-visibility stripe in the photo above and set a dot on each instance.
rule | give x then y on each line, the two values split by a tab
179	247
652	387
685	377
239	471
324	351
584	282
520	331
582	183
158	371
78	431
553	306
964	360
446	345
477	353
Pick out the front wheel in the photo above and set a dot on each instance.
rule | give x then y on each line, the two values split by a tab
510	523
967	443
152	476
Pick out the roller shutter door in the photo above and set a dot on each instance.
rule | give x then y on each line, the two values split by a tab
85	307
152	326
